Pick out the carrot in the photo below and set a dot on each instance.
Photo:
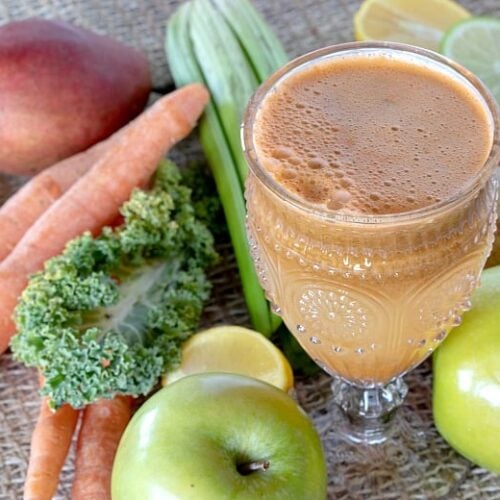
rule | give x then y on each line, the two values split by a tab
103	424
22	209
94	200
50	443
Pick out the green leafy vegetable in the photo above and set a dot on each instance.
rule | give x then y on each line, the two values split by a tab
206	203
107	316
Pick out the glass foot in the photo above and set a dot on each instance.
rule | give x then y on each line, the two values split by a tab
367	414
411	460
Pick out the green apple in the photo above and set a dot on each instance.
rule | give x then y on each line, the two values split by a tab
466	395
216	436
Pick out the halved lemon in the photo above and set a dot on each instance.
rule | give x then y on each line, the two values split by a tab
233	349
417	22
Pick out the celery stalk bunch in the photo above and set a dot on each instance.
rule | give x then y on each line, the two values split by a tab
226	45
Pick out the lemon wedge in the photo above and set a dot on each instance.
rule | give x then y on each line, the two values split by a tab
422	23
233	349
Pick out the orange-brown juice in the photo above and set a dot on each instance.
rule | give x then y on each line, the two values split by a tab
373	236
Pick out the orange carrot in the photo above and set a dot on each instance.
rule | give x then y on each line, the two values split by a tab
94	200
103	424
22	209
50	443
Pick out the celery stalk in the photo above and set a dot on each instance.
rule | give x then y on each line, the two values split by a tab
261	46
184	67
263	49
226	71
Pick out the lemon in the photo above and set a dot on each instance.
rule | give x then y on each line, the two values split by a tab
475	43
233	349
417	22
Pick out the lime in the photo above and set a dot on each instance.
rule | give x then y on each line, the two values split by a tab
475	43
233	349
421	22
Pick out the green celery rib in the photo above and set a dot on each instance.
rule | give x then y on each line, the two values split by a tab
263	49
226	71
184	68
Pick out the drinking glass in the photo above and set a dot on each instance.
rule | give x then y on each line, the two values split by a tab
369	297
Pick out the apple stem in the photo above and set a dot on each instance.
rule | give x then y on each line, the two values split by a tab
249	467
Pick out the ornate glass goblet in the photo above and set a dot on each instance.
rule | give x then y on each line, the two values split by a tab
369	297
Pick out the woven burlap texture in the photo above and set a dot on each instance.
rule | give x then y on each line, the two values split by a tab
302	26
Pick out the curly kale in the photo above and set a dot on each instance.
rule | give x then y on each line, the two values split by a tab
207	205
108	315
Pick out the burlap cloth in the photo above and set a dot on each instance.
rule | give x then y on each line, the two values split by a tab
302	26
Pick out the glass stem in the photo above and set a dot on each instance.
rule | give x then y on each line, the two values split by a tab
367	412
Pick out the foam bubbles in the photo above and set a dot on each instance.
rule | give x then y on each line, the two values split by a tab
340	199
377	143
316	163
282	152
